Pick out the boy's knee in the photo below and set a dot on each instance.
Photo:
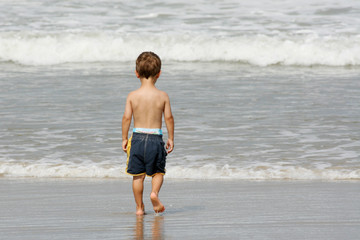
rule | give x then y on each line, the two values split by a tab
158	175
140	177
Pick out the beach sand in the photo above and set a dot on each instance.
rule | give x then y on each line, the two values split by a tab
104	209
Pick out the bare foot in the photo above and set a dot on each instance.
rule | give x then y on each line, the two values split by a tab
158	207
140	211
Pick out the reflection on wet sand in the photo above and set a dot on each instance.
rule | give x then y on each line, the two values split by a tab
156	228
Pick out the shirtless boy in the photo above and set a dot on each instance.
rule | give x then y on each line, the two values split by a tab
145	149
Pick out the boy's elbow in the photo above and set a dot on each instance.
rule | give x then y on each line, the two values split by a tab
126	119
169	119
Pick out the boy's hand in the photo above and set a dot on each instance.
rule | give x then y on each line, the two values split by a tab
124	145
169	145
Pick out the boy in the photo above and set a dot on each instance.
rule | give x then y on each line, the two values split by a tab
145	149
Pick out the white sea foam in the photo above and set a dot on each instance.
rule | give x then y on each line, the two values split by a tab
262	50
53	170
209	171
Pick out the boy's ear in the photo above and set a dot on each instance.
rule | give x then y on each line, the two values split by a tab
158	75
137	74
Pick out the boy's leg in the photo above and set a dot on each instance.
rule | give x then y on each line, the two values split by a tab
156	182
138	188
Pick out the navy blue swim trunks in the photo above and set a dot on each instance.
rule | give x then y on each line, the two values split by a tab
145	154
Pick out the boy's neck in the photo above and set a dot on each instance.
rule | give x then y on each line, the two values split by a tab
148	82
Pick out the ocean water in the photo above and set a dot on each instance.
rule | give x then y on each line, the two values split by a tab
259	90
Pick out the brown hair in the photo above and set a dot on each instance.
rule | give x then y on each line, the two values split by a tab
148	64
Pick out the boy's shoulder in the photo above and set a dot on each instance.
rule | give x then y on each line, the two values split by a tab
141	92
163	95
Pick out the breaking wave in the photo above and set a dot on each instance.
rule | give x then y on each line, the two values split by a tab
261	50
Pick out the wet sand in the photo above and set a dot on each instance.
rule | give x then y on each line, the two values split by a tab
105	209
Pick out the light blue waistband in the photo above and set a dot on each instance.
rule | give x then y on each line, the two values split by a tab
156	131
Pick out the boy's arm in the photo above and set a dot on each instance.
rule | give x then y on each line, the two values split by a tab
169	121
126	121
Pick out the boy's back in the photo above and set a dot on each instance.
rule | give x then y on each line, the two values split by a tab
148	104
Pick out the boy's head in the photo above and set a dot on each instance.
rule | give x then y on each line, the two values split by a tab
148	64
